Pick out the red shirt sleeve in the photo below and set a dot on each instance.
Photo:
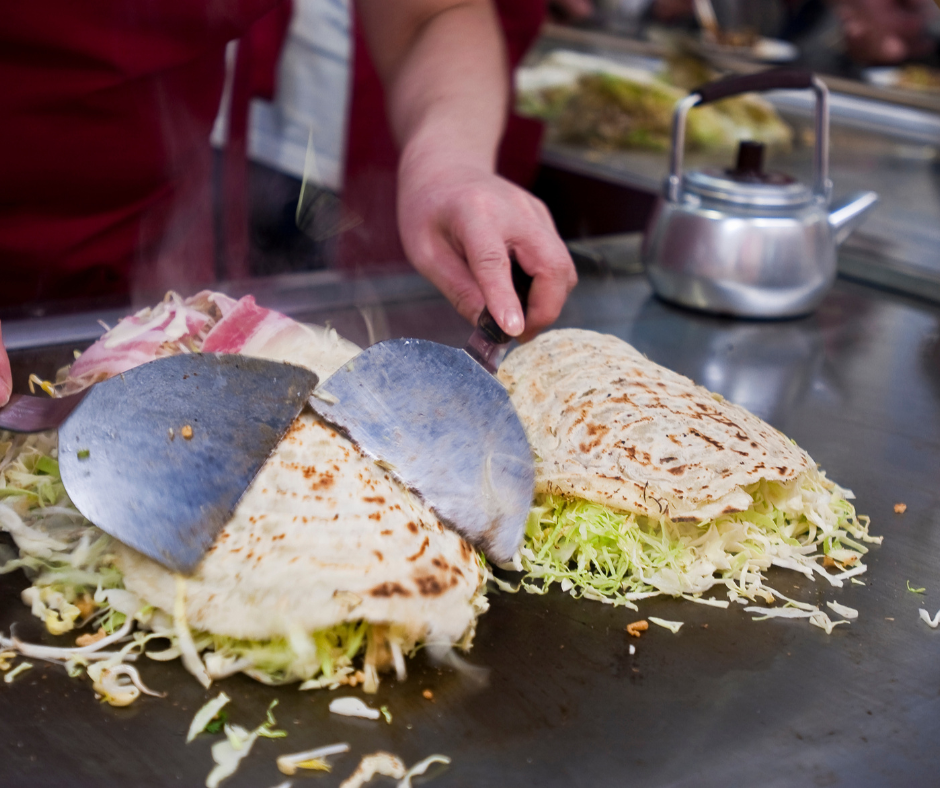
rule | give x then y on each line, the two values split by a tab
107	106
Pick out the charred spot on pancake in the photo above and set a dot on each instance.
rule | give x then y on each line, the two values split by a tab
664	460
782	469
730	509
324	480
429	585
386	532
424	546
295	427
440	563
389	589
378	555
678	470
597	432
707	439
412	526
374	499
465	550
375	516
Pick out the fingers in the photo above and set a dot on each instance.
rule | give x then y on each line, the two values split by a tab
521	225
459	234
554	279
6	379
488	260
448	272
529	233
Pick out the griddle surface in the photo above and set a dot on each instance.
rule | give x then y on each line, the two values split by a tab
736	702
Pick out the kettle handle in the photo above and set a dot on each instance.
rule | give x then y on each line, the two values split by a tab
773	79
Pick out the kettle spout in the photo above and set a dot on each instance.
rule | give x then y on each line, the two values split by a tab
846	217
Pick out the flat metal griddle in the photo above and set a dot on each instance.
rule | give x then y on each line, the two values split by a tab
774	703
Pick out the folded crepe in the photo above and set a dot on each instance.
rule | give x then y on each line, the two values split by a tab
326	554
647	483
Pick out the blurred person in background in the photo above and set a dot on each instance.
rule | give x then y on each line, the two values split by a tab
104	148
871	31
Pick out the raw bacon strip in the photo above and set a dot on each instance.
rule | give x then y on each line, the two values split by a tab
212	323
251	330
244	325
138	339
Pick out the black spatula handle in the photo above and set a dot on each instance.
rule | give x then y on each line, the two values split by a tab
522	282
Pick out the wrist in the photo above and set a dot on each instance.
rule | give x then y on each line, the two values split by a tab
440	148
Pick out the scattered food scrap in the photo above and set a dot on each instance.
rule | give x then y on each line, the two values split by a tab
187	432
637	628
428	695
314	760
118	684
672	626
353	707
900	508
371	765
205	715
238	742
22	667
420	768
915	590
89	638
930	622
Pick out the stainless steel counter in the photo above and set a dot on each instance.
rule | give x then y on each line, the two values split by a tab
875	144
774	703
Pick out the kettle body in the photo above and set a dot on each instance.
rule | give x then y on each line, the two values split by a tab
759	263
744	241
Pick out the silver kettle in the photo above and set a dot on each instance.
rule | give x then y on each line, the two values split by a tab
747	242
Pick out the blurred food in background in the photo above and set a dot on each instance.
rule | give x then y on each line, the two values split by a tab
593	101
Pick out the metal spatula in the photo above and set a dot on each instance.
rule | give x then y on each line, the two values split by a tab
160	455
443	426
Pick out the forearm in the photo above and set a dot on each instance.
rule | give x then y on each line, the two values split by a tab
444	69
447	88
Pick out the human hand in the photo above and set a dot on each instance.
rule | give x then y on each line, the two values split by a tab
884	31
458	224
6	379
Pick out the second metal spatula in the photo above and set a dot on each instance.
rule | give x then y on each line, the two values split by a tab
444	426
160	455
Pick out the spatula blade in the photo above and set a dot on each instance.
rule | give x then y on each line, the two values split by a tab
445	428
129	467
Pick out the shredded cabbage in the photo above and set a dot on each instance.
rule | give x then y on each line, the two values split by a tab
310	759
205	715
11	675
672	626
229	753
353	707
377	763
420	768
934	622
76	584
617	557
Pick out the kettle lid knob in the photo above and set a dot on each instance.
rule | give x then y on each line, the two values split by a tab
750	161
